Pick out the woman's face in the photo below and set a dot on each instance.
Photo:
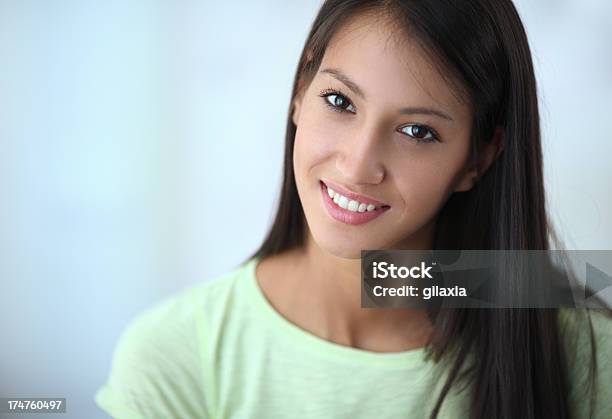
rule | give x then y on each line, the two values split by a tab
378	121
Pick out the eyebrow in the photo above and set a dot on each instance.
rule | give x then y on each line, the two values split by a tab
346	80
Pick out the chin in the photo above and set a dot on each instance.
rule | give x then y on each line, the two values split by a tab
343	252
343	247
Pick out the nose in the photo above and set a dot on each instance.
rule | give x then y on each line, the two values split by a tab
359	159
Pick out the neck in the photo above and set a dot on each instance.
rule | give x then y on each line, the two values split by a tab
328	289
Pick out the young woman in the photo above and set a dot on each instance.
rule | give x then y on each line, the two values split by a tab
412	125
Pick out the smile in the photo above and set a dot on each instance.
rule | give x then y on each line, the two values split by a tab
350	208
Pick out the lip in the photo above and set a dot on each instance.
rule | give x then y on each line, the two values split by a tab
346	216
352	195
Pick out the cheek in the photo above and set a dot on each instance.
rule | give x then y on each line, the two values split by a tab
315	142
425	180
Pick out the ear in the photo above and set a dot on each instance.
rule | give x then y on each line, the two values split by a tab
489	153
297	106
301	87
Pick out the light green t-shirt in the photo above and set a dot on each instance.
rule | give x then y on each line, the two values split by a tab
220	350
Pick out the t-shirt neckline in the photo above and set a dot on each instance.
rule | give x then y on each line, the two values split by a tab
408	359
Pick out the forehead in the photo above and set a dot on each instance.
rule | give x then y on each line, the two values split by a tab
382	59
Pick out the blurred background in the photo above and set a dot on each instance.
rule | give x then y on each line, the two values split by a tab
140	153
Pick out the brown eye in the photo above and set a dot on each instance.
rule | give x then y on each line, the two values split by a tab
421	133
418	131
339	102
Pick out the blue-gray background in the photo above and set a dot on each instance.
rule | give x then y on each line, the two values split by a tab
141	146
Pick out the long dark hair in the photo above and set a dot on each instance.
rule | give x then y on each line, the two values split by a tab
520	370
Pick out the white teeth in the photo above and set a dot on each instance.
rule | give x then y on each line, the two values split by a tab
349	204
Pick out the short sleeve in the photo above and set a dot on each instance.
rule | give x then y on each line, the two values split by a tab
577	338
156	370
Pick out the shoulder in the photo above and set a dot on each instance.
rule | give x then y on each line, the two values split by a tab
587	338
172	325
579	327
157	365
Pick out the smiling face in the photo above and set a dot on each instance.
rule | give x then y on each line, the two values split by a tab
380	126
